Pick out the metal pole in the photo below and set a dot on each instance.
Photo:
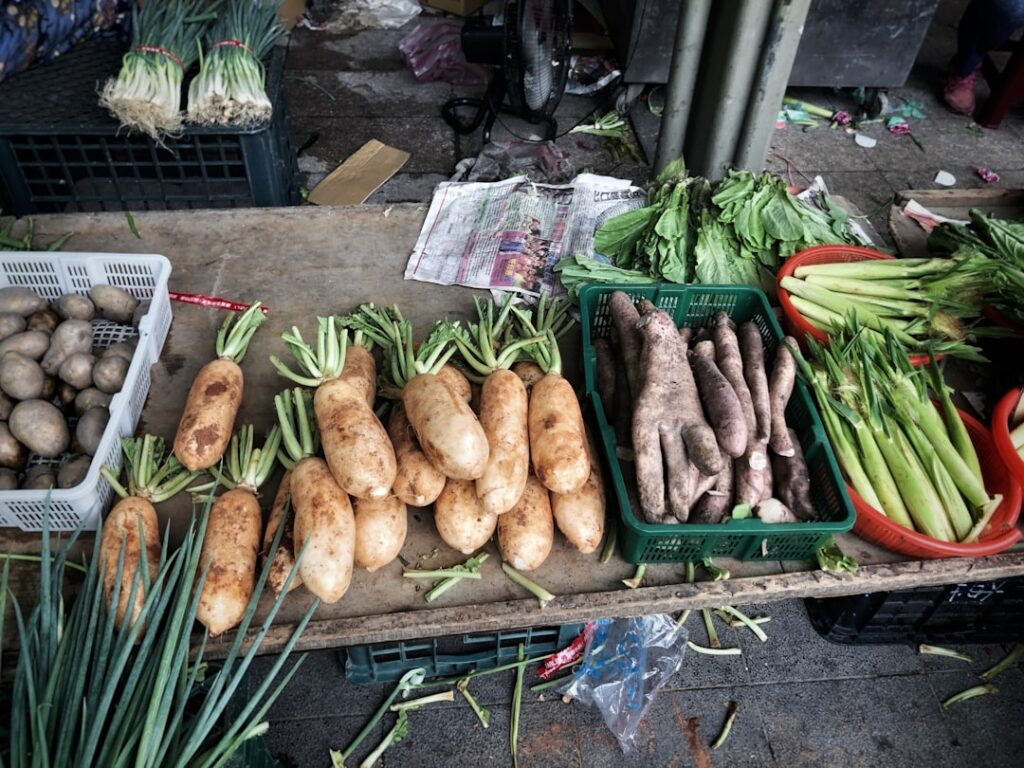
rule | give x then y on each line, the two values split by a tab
781	43
732	50
686	49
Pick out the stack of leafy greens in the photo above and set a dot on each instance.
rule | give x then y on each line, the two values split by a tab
1001	242
737	233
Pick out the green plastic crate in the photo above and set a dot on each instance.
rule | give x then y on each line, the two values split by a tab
451	655
695	306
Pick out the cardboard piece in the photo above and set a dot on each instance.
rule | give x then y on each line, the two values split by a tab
290	11
362	174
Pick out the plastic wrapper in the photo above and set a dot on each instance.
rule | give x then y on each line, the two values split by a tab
626	663
434	52
540	161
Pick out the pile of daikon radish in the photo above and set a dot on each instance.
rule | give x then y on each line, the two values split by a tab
517	464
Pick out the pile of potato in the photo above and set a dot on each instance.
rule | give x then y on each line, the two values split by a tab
55	386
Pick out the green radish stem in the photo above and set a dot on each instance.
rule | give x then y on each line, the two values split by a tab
937	650
543	596
236	332
732	708
319	365
1010	660
970	693
150	474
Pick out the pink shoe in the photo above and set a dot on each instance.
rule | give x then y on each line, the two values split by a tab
959	93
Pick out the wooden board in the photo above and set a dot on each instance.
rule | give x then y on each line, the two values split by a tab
305	261
911	240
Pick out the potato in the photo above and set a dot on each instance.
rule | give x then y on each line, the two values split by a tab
32	344
70	337
91	398
49	388
20	301
130	521
76	370
21	378
66	394
121	349
11	324
108	374
73	472
6	406
40	427
380	531
460	517
140	312
230	547
39	478
89	430
8	480
45	320
113	303
72	306
527	531
12	453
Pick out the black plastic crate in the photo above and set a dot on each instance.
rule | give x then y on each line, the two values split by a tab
452	655
60	151
979	612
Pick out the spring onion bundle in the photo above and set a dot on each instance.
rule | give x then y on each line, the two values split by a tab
146	94
927	304
230	88
911	460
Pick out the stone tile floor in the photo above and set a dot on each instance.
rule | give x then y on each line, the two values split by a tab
804	702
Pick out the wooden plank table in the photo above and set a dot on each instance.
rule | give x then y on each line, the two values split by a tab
307	261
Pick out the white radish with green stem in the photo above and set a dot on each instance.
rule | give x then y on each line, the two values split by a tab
447	429
355	443
216	394
324	527
232	540
489	350
131	536
558	441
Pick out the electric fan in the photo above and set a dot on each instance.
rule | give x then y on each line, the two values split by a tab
528	47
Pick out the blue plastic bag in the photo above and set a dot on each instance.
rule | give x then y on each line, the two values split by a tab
626	663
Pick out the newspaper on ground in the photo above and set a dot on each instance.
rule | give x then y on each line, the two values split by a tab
508	235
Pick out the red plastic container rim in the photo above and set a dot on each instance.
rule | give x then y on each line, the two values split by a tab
874	526
1001	434
826	254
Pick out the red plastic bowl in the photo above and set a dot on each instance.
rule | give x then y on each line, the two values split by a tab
1000	534
1001	434
798	326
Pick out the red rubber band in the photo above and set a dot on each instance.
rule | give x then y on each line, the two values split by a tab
161	51
214	302
234	43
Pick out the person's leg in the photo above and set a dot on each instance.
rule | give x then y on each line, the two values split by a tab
985	25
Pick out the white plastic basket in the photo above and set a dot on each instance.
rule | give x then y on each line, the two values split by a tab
51	275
